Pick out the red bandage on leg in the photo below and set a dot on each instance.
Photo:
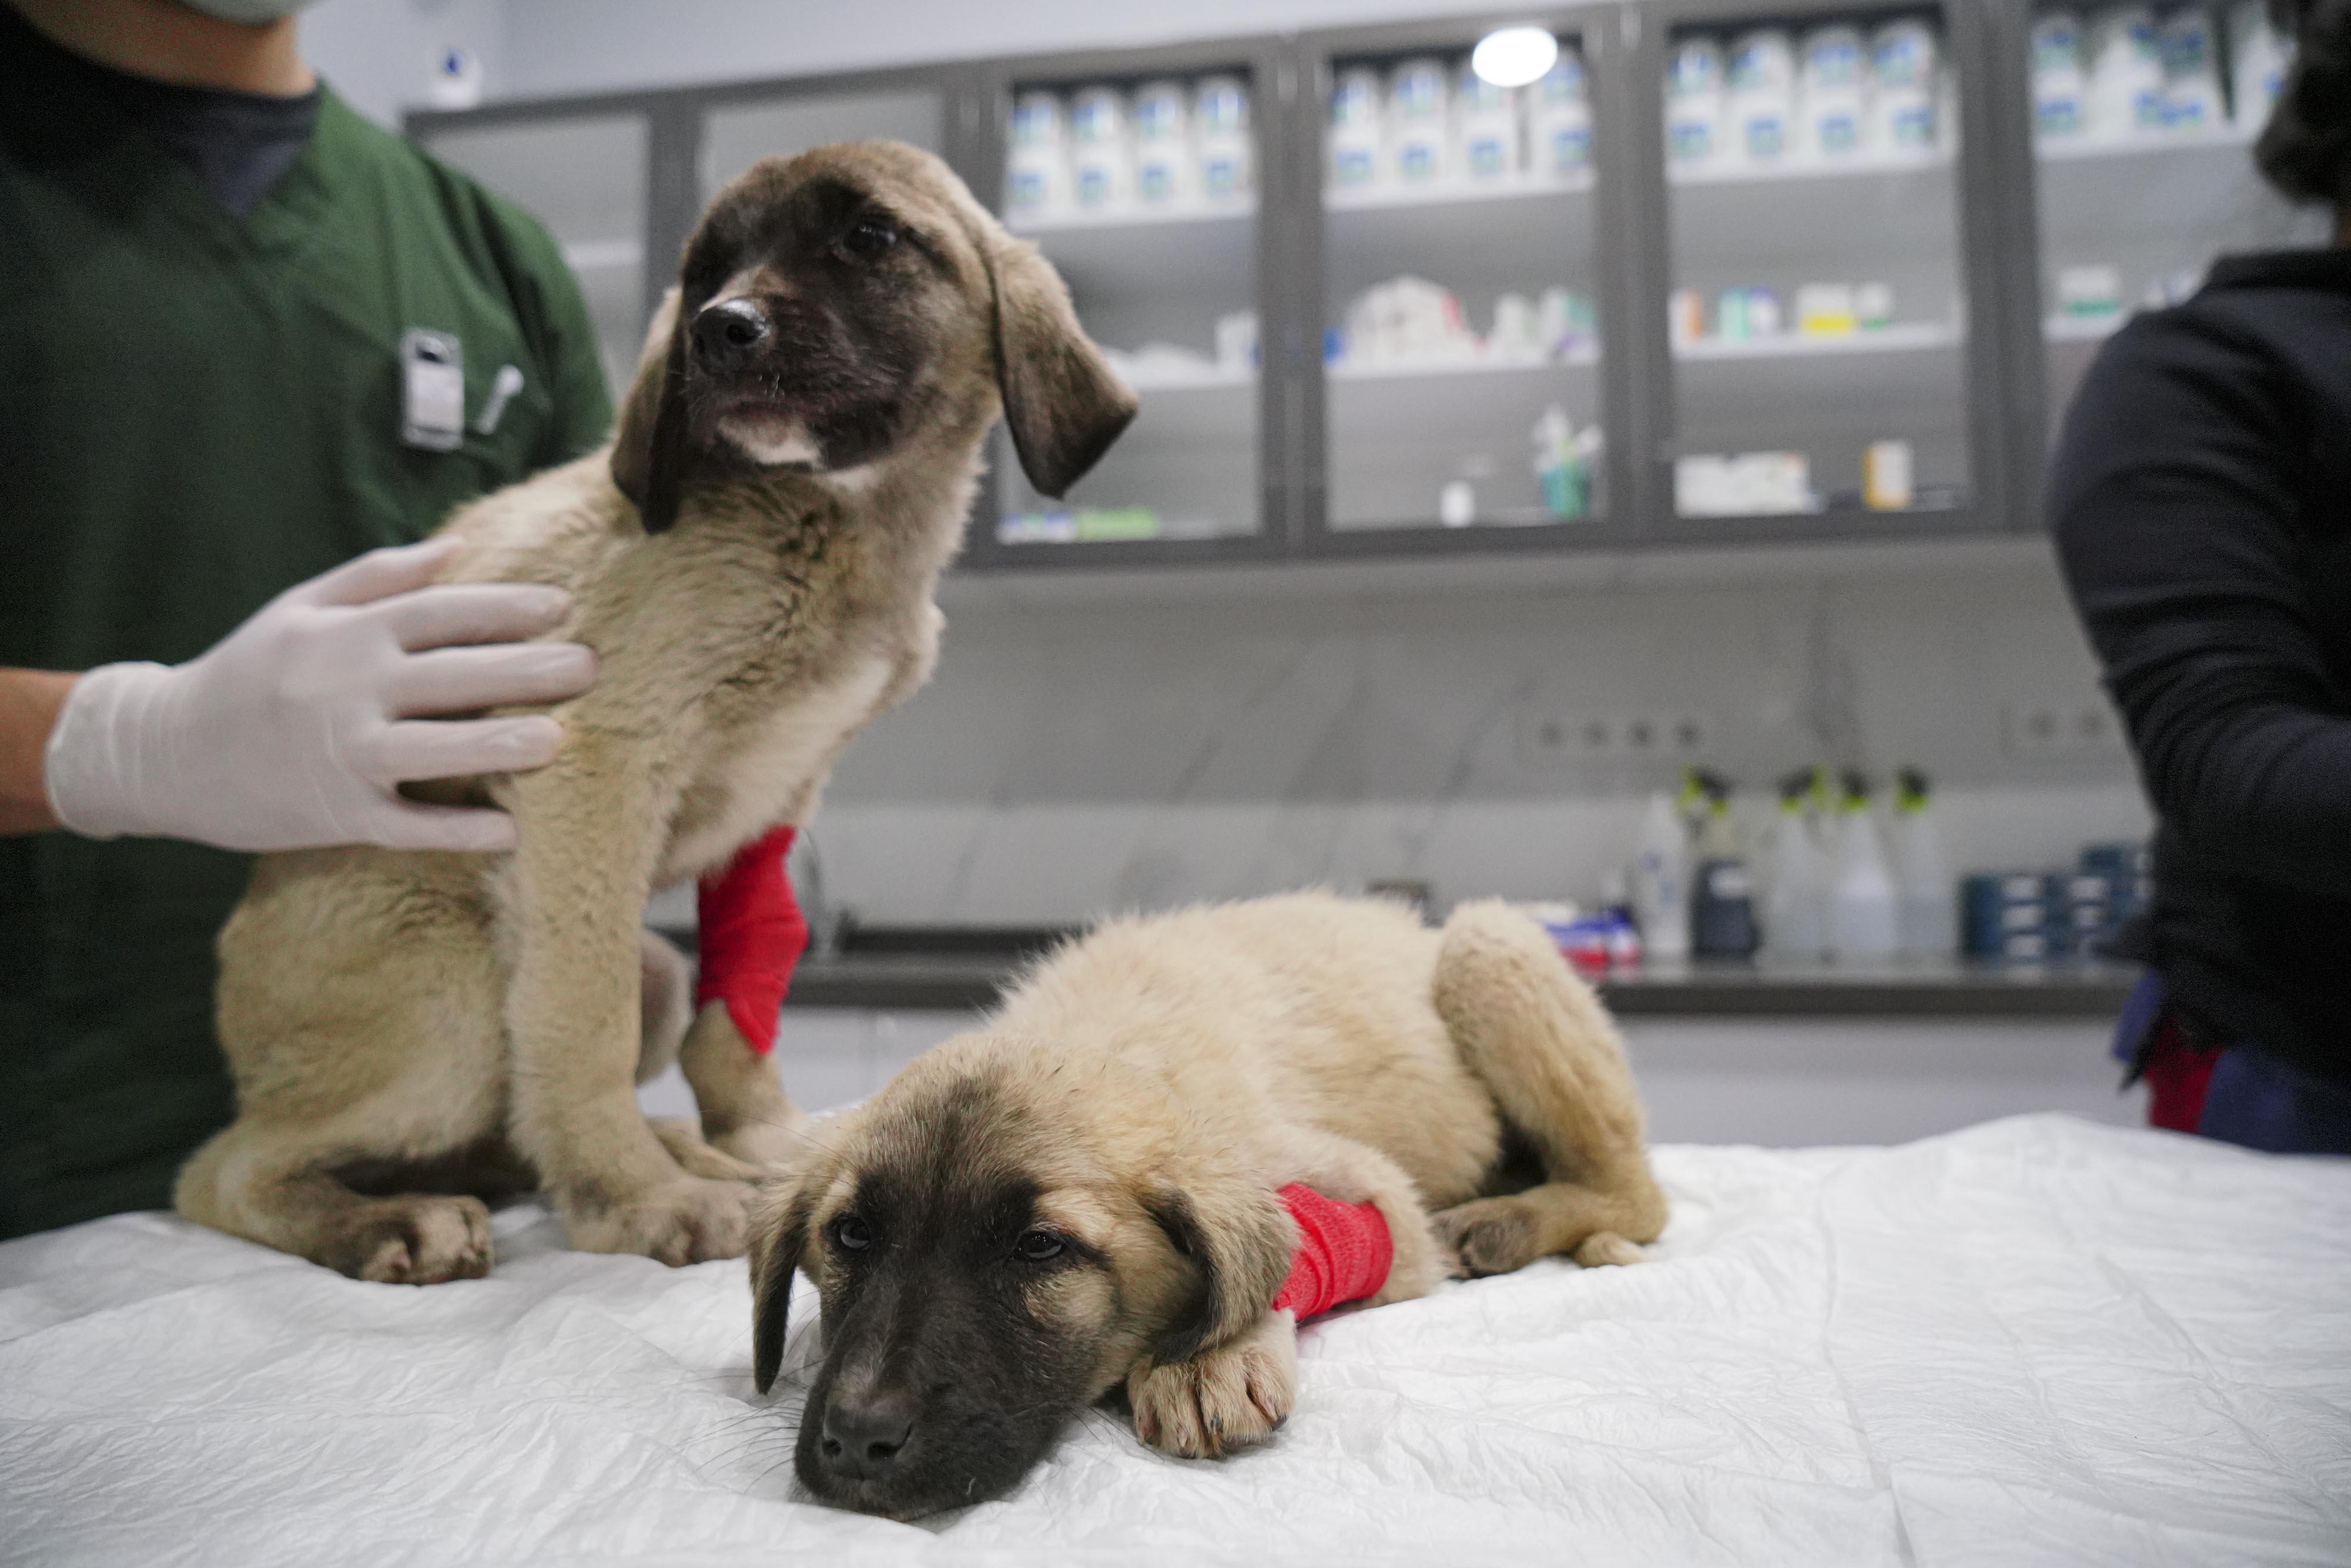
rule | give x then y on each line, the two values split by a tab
1343	1252
752	936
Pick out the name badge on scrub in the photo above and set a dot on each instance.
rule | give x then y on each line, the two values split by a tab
432	390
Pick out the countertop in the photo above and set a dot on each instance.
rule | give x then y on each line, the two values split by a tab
958	968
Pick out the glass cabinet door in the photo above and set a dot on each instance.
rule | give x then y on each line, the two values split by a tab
2142	130
1461	349
736	135
1141	189
583	177
1818	319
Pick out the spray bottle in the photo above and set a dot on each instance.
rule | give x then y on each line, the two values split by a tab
1661	881
1723	898
1795	908
1929	920
1862	907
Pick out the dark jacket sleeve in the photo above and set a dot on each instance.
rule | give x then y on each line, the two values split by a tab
2177	499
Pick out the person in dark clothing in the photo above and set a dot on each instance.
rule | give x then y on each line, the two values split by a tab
214	269
2201	500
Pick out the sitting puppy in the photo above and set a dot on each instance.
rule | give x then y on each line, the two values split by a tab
1081	1197
754	561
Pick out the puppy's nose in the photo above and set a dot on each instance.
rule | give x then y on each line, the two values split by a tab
864	1440
726	333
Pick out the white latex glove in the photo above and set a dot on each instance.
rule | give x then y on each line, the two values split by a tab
292	730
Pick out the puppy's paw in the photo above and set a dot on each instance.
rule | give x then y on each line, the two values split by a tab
419	1241
1603	1247
766	1145
690	1220
1221	1399
1489	1236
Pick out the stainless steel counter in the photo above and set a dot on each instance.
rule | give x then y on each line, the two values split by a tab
959	969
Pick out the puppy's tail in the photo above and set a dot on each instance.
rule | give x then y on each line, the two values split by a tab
1530	1026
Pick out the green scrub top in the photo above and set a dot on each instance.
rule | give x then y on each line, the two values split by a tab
196	412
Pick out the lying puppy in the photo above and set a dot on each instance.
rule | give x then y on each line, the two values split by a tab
1081	1198
754	561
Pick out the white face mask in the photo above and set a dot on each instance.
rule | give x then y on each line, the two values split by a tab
252	12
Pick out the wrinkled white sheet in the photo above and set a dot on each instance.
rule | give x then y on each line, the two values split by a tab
2037	1341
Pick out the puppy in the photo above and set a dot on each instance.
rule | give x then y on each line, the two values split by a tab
1081	1198
754	561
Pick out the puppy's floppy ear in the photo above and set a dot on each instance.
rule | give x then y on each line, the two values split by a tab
1239	1240
649	447
1060	400
778	1238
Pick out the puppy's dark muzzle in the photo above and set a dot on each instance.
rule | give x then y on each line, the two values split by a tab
725	335
863	1442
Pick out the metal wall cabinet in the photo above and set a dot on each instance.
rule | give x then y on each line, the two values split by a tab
1821	281
1158	183
1466	295
585	168
2139	183
620	179
2001	261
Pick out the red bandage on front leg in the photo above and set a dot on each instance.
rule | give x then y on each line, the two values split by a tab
752	936
1343	1252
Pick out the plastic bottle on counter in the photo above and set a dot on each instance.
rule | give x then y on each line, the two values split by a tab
1101	160
1722	897
1220	131
1929	920
1419	111
1166	168
1484	128
1795	898
1864	913
1661	881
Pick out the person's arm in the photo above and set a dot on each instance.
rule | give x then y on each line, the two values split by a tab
2175	497
29	703
298	729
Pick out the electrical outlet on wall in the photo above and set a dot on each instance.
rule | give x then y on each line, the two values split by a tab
2081	728
1550	738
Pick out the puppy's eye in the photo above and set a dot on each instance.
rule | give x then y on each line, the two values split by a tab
869	237
852	1234
1037	1246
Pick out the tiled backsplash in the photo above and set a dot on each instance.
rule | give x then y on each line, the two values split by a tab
1078	757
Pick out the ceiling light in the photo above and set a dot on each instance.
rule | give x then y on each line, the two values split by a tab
1513	57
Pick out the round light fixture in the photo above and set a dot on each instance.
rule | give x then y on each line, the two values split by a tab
1513	57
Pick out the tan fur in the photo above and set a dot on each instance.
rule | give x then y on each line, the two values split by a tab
382	1008
1221	1053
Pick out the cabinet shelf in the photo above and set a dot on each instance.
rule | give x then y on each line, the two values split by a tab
1860	166
2082	329
1903	337
1457	193
1142	221
1416	370
2230	137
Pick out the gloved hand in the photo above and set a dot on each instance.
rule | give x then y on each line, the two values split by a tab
294	729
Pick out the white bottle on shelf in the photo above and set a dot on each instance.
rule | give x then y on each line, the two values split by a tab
2258	54
1661	902
1220	128
1166	169
1353	136
1696	109
1904	78
1101	163
1558	120
2192	102
1418	116
1037	176
1864	919
2061	91
2125	71
1929	920
1831	104
1485	129
1762	88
